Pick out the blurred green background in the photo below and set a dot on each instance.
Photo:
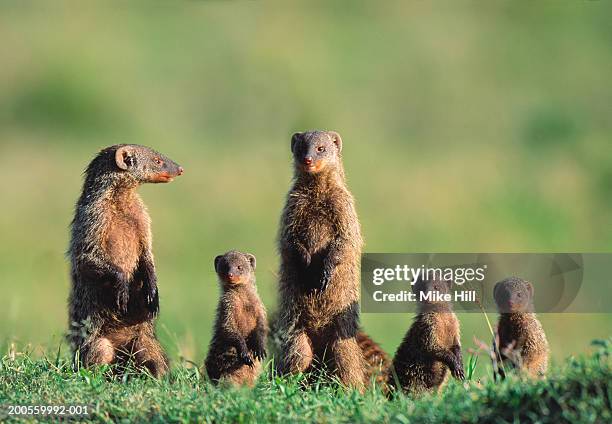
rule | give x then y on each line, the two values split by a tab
467	127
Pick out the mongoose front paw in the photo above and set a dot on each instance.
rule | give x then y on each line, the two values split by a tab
457	372
122	300
303	255
325	280
260	353
152	301
246	359
123	291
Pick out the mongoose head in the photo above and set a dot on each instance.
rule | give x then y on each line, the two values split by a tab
133	163
513	295
315	151
235	268
145	164
432	285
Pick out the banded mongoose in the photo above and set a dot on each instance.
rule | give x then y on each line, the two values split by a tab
114	297
238	346
522	341
320	248
431	347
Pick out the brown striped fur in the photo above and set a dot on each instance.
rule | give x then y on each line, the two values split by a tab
320	247
239	338
431	346
377	360
522	341
114	295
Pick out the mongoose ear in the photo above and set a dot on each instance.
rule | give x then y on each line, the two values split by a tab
529	289
217	260
295	138
124	157
416	287
252	260
335	137
497	286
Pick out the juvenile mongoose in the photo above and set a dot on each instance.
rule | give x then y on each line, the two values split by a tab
431	346
239	340
320	247
522	342
114	297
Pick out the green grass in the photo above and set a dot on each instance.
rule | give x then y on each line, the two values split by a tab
465	129
577	391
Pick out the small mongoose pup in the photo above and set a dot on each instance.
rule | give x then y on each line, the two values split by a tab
522	342
320	248
238	345
114	296
431	346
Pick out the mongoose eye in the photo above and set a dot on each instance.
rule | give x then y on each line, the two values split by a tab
320	149
239	267
158	161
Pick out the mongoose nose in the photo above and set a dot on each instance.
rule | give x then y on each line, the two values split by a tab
308	160
230	275
180	170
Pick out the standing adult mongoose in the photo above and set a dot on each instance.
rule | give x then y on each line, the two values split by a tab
431	346
320	247
239	340
522	342
114	297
